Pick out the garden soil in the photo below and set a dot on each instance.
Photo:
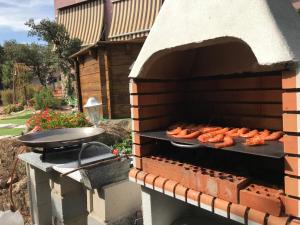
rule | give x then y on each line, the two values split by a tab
9	149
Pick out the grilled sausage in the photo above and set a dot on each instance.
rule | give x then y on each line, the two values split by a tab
274	136
228	141
217	138
250	134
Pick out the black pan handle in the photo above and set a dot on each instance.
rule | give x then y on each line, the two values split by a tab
180	145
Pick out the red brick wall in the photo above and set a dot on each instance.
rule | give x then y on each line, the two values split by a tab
143	121
291	142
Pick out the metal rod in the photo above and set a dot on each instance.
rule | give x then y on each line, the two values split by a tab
96	164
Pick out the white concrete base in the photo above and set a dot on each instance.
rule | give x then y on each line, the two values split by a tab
56	200
160	209
113	204
39	194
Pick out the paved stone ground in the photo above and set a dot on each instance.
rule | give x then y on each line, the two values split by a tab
10	125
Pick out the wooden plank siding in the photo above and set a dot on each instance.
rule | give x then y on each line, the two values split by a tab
105	77
89	79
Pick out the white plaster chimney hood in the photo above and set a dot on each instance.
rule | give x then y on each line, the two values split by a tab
270	28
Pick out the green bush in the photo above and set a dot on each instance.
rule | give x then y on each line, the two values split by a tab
30	91
72	101
45	99
7	97
13	108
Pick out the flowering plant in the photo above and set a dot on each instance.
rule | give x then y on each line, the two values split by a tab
51	120
125	146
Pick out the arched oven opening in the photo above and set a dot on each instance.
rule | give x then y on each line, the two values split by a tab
218	83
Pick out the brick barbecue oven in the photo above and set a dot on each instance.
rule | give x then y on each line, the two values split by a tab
229	63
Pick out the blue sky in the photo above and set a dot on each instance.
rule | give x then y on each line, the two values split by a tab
14	13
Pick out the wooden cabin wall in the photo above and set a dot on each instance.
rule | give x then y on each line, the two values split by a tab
89	74
105	77
120	58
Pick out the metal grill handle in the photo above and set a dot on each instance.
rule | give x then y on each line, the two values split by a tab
103	148
180	145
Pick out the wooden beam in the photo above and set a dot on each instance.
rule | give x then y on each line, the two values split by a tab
107	79
93	52
79	95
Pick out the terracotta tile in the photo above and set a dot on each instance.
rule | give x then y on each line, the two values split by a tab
167	168
222	185
193	197
189	177
230	185
138	139
137	162
221	208
291	186
290	122
295	222
150	124
153	87
140	178
132	174
291	165
159	184
291	206
289	80
274	220
209	182
149	180
289	101
264	199
132	87
238	213
206	202
154	99
169	188
153	165
256	217
181	192
291	144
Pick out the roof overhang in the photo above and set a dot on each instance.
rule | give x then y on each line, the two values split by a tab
271	29
100	44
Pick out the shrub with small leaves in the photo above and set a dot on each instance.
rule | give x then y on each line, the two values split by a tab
7	97
45	99
13	108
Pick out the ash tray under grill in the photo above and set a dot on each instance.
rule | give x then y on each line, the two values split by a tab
272	149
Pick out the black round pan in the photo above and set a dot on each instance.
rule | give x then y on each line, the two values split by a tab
56	138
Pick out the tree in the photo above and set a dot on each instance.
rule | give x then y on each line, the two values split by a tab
1	63
63	45
7	73
43	62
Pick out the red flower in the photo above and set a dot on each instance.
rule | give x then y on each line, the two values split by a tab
115	152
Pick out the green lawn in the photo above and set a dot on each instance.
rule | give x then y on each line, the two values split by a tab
10	131
15	119
18	120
